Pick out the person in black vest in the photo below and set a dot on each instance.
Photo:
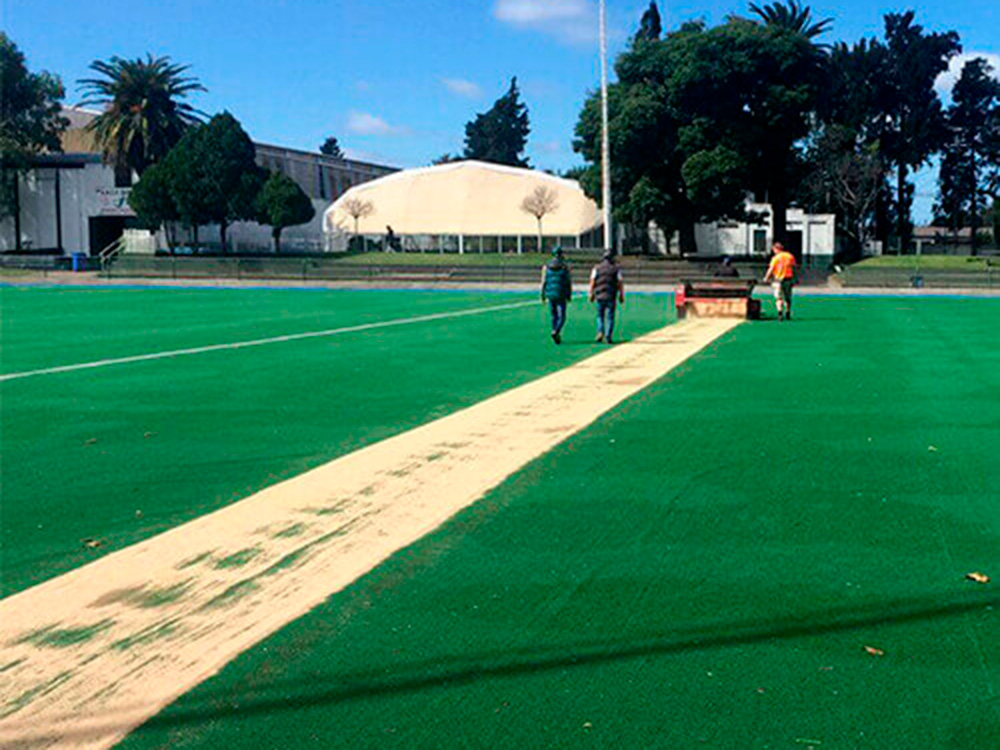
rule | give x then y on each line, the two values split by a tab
557	288
607	288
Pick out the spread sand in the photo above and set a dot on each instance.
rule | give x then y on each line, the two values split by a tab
88	656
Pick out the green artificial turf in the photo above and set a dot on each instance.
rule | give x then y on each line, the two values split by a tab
96	459
703	567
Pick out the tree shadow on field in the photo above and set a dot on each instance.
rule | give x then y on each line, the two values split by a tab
278	695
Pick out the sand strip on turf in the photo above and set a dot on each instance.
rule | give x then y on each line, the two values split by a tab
88	656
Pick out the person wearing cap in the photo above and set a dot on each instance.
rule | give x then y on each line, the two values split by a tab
607	288
557	289
781	274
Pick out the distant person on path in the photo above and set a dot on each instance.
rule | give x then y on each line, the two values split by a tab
557	288
607	288
726	269
781	274
390	239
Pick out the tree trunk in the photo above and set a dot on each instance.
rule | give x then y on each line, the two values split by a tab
17	211
778	195
688	244
902	211
194	237
276	233
779	216
882	219
973	205
223	226
168	232
540	248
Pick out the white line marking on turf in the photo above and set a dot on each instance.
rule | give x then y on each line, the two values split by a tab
261	342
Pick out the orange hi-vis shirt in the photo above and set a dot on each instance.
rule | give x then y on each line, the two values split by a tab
782	266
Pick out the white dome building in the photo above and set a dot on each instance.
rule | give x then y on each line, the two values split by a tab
464	207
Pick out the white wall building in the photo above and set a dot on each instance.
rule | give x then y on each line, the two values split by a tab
69	202
812	236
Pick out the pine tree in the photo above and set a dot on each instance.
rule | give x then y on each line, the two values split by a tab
971	162
330	147
500	135
650	26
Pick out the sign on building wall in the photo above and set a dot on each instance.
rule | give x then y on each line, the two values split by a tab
113	201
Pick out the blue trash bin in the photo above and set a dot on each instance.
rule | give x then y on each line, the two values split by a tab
79	262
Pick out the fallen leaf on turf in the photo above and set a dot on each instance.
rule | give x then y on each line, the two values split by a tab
874	651
91	441
931	448
148	434
978	577
92	543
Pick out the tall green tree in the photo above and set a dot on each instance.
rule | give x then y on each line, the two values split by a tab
844	177
153	202
282	203
214	178
748	91
650	26
664	167
500	134
30	123
970	166
911	119
330	147
845	171
143	116
793	17
791	71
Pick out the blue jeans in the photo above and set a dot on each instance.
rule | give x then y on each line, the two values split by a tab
606	318
557	307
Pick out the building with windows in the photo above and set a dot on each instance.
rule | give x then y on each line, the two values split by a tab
810	237
73	203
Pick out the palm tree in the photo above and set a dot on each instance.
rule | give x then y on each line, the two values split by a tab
142	118
793	17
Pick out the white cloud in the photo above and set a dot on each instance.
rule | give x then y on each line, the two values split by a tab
573	21
462	87
364	123
946	81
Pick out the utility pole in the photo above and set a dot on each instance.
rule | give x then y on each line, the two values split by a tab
605	146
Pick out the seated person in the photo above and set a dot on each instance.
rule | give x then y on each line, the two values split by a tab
726	270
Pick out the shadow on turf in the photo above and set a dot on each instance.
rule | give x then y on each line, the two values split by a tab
269	696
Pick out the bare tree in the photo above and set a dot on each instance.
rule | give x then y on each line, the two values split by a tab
358	208
538	203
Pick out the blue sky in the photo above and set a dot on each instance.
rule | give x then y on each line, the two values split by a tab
396	80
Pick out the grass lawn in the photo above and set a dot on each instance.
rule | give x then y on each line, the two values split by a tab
448	259
120	453
766	549
928	262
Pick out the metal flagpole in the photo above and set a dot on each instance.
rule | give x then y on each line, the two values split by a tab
605	146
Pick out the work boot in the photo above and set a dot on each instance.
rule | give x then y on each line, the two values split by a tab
556	337
599	339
